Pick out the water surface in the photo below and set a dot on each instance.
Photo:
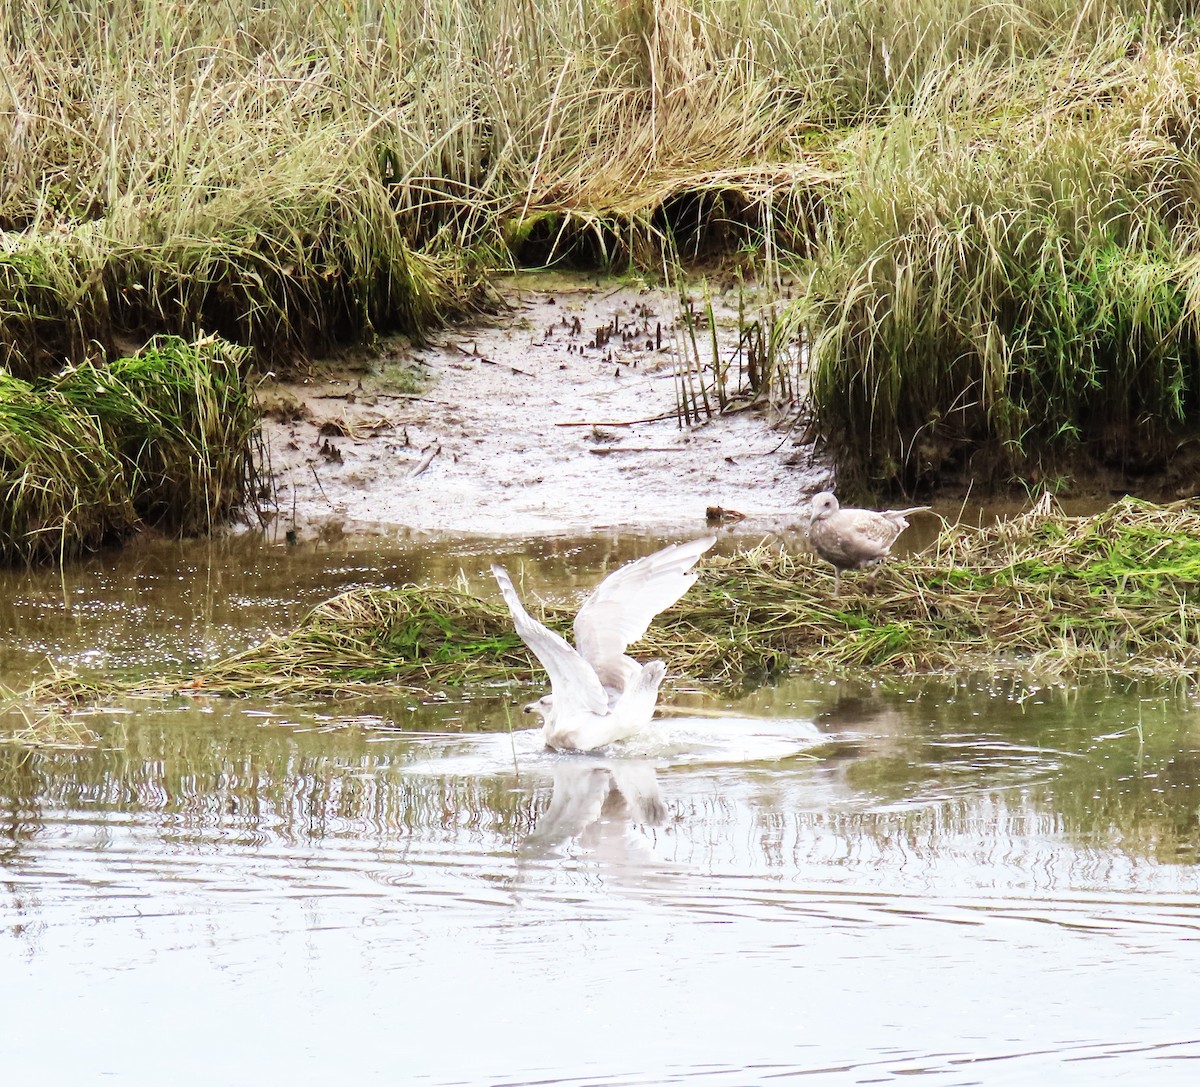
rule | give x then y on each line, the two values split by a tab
964	883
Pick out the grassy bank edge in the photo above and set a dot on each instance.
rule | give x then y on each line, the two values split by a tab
167	438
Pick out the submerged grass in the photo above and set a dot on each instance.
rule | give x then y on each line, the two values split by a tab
1113	594
1044	594
27	722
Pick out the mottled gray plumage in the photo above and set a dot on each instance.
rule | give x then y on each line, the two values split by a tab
852	539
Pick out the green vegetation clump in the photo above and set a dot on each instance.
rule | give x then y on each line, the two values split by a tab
49	309
418	637
1112	594
1043	594
1008	273
62	487
166	438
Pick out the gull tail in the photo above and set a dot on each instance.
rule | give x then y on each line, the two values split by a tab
900	515
636	706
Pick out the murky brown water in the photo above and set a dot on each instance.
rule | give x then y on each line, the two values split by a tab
973	883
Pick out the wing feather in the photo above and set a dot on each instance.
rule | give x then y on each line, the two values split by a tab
573	681
622	606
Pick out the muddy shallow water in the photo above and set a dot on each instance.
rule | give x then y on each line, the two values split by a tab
823	882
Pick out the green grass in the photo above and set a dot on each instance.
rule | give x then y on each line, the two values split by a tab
1007	276
306	168
992	207
418	637
62	488
165	438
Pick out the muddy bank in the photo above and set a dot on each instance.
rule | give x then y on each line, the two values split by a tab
559	413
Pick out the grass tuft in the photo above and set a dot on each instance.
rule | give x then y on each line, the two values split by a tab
166	438
416	637
1006	278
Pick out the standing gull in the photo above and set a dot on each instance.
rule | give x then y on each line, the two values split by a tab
598	694
853	539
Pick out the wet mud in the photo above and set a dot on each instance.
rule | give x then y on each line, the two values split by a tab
560	413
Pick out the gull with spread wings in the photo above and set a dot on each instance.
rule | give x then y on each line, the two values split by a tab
598	694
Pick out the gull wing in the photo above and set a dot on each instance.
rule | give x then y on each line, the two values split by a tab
871	530
623	605
853	538
572	680
581	786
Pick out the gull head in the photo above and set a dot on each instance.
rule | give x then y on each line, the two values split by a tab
543	707
824	504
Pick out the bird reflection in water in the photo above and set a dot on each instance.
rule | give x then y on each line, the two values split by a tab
597	801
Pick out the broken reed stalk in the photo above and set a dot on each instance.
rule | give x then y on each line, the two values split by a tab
758	369
1044	594
691	397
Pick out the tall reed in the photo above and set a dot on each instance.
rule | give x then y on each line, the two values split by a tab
996	201
295	171
1009	270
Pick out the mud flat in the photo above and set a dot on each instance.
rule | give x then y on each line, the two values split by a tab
558	413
